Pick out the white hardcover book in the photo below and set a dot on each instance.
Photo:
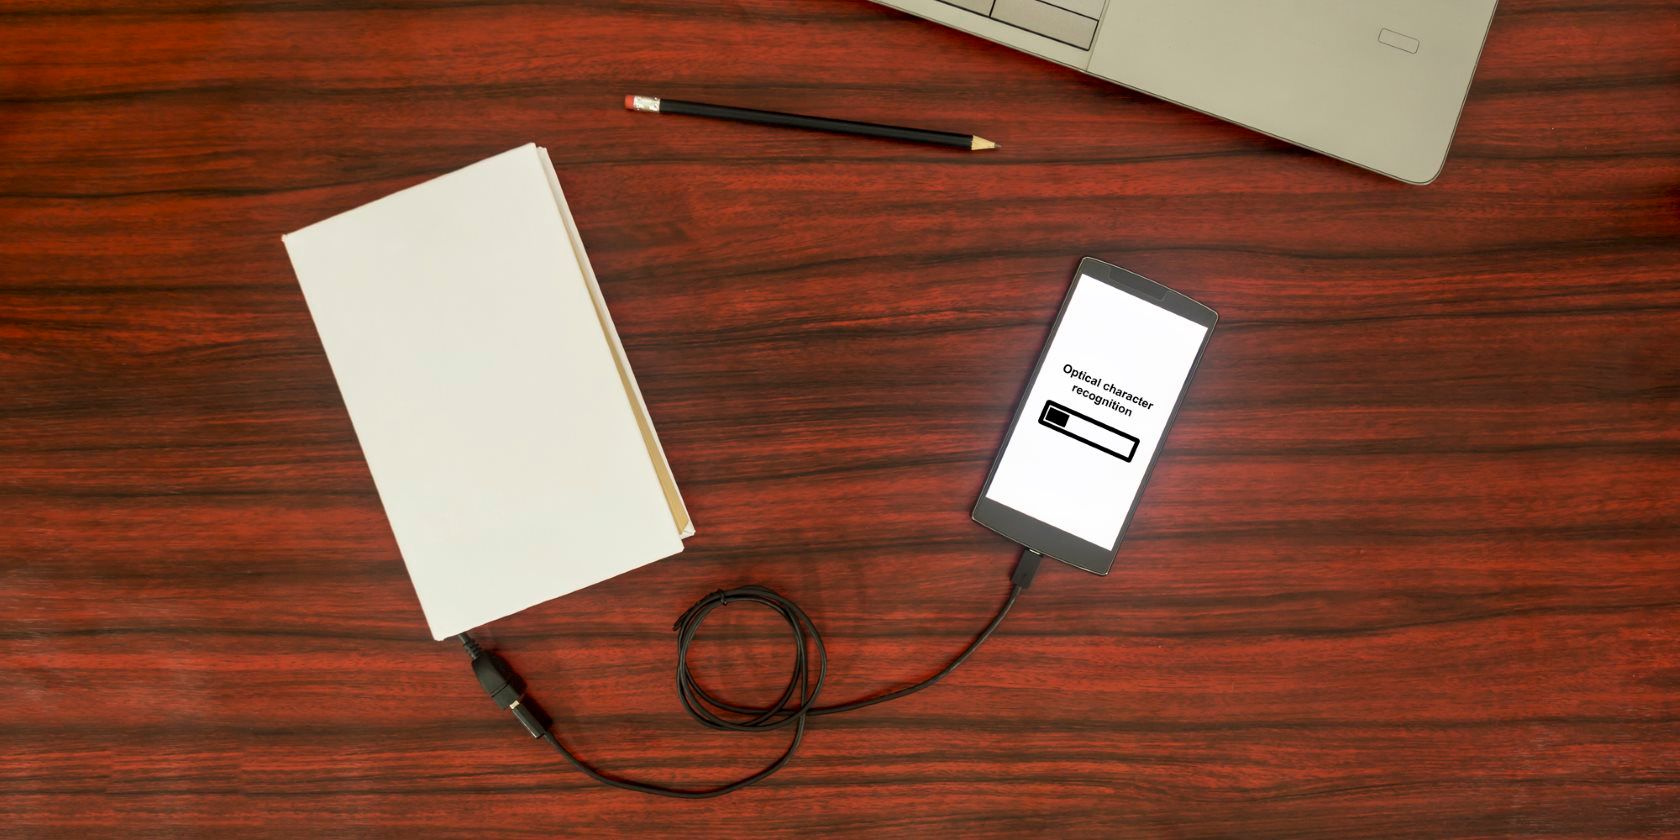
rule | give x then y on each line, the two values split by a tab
488	387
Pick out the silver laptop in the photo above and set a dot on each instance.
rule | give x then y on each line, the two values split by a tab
1377	83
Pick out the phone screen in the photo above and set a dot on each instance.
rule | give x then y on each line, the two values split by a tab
1096	411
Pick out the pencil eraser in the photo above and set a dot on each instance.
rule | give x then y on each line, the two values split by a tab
630	103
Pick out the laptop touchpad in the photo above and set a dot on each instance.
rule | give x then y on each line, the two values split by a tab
1051	21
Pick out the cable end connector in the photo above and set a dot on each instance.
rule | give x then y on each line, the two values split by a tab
505	687
1026	569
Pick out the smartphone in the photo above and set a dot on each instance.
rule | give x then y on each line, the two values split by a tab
1096	409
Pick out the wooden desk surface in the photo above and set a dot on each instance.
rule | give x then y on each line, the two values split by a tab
1408	567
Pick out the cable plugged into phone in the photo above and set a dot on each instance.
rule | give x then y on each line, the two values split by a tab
794	708
1026	569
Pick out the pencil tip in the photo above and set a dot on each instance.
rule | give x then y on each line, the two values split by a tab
981	144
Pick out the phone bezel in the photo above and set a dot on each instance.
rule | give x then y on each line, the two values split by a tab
1040	536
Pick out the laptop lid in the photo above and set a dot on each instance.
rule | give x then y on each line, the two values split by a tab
1377	83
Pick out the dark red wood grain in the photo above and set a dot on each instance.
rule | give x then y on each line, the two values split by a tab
1408	567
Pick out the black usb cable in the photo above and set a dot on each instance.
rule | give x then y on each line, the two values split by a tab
795	707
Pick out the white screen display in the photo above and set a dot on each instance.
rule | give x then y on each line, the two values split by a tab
1094	415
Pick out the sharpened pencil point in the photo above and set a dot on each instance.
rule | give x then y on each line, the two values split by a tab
981	144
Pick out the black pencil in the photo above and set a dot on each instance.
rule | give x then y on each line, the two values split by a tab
654	104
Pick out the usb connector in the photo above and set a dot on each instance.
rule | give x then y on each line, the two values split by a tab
505	687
